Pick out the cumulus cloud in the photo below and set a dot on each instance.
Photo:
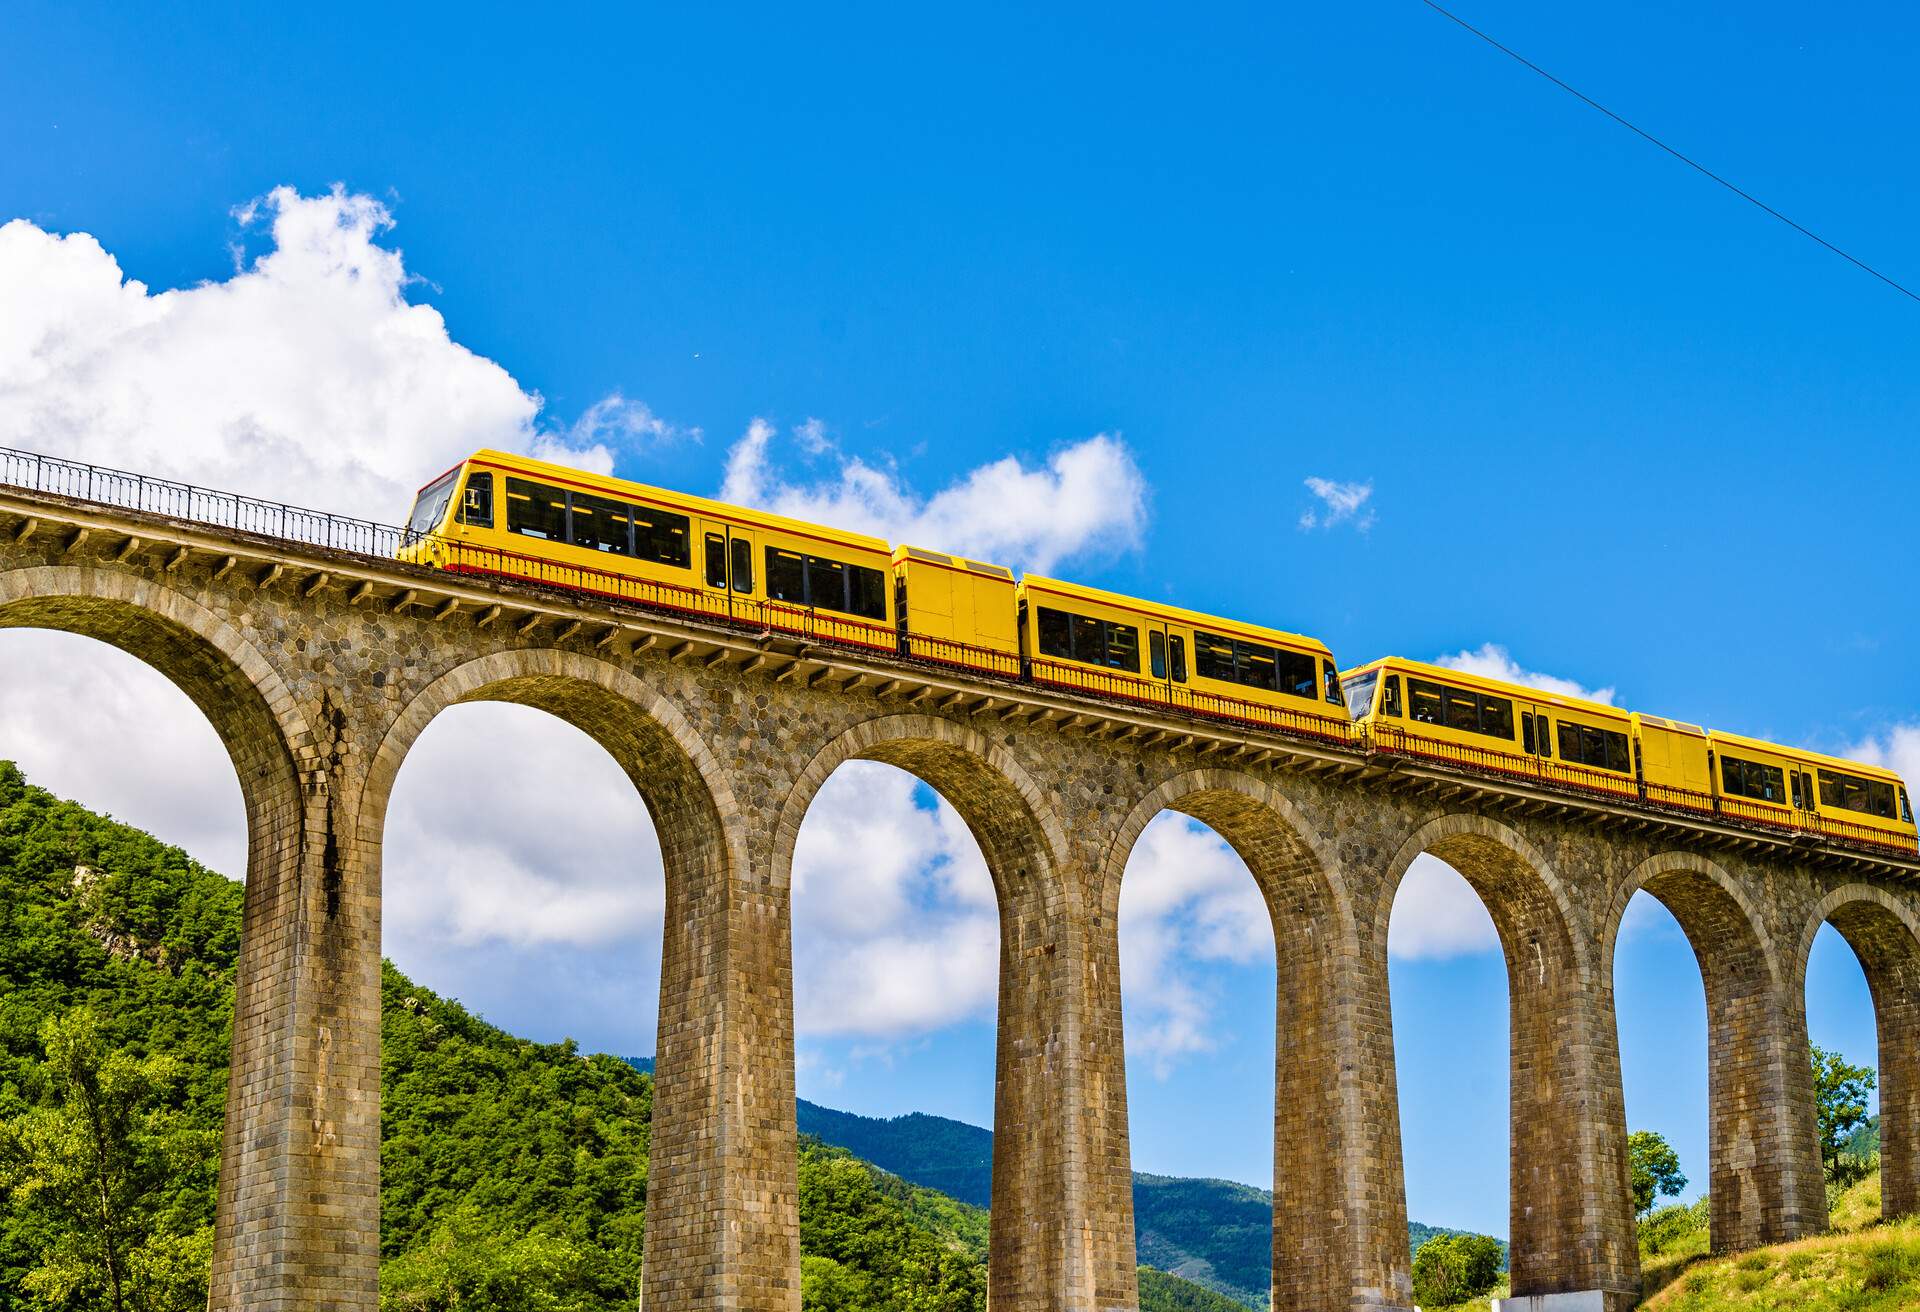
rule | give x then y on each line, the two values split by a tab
1186	901
1898	749
306	377
1493	661
895	927
1437	915
1088	497
1340	503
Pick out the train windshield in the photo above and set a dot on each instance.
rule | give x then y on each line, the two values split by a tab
431	505
1359	691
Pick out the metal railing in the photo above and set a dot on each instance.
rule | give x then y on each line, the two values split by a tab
315	528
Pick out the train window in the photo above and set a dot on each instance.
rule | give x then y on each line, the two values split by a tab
1390	697
716	561
1456	708
1157	653
1056	633
1526	732
1213	657
536	510
826	583
1583	744
476	505
1332	679
1906	807
867	592
431	504
1088	640
742	564
601	525
786	576
1763	783
1359	691
1852	793
815	581
661	537
1799	792
1177	650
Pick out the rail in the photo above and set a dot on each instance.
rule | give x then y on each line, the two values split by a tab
124	490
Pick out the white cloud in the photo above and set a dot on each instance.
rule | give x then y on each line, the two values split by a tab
1437	915
1088	498
1340	503
305	377
895	927
1898	749
98	726
478	856
1186	901
1491	660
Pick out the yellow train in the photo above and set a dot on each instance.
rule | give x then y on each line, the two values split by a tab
1410	708
516	517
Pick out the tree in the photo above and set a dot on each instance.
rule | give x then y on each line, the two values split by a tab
97	1167
1840	1094
1451	1269
1654	1168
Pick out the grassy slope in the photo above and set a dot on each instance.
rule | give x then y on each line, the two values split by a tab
1864	1266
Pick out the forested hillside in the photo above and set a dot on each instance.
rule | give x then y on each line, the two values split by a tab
514	1173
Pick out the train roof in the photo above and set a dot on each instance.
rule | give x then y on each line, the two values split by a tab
1880	772
1161	610
607	485
1486	684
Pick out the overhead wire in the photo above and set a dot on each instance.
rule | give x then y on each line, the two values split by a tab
1690	162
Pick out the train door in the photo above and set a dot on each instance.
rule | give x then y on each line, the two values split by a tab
1536	736
1806	799
727	567
1167	661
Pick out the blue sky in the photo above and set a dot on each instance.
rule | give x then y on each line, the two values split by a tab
1611	418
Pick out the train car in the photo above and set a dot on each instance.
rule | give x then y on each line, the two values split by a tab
1677	763
1791	788
956	611
511	515
1429	711
1100	642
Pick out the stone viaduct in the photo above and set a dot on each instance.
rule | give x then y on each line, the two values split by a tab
319	668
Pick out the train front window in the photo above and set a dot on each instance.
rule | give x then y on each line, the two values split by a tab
431	504
476	506
536	510
1359	692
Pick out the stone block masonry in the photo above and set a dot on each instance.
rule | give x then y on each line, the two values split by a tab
320	669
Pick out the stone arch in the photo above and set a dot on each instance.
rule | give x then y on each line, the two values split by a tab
654	743
1519	885
716	1134
212	662
1763	1188
1038	1242
287	792
1016	825
1571	1225
1884	932
1320	1240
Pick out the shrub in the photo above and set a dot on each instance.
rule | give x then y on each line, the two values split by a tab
1451	1269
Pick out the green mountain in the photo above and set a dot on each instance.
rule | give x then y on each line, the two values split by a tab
1215	1233
514	1173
